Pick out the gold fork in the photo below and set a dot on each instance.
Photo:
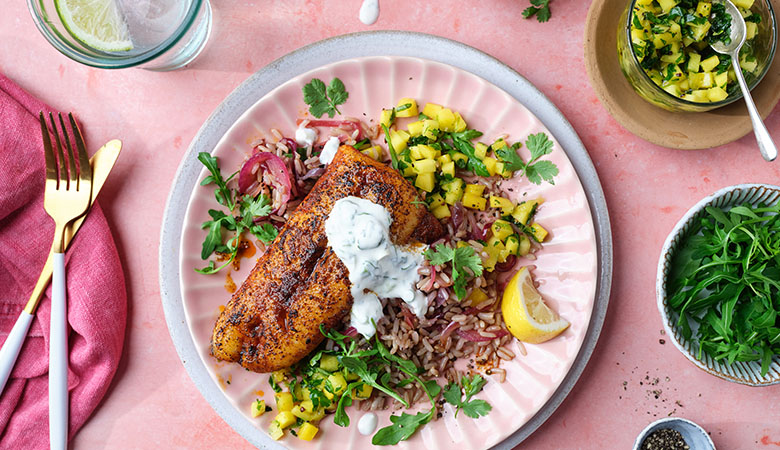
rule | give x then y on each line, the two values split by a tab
67	196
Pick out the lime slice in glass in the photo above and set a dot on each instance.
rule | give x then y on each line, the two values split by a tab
95	23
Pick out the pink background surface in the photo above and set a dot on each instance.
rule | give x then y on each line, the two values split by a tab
153	403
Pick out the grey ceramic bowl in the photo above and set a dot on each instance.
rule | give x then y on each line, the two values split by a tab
748	373
694	435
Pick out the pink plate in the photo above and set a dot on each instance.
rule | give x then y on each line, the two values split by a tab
566	269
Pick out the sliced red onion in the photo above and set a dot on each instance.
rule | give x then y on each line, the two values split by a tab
474	336
313	173
457	212
442	296
507	265
290	143
346	124
266	167
408	315
481	233
452	326
350	332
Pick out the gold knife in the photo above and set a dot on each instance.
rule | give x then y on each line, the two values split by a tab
102	162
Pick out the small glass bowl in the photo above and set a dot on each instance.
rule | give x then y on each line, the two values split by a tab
766	43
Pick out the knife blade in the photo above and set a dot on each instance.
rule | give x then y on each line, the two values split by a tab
102	162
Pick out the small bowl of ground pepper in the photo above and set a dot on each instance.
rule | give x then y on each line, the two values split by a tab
673	433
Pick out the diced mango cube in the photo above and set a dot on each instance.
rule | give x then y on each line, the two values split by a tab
704	9
275	431
474	201
430	128
329	363
440	212
710	63
480	150
424	166
504	204
448	168
538	232
305	411
453	190
435	200
477	296
285	419
490	164
746	4
284	401
428	152
476	189
410	111
431	109
512	244
307	431
525	210
716	94
374	152
386	118
364	391
258	408
458	156
667	5
752	29
502	229
415	128
399	139
425	181
460	124
444	159
722	79
694	59
446	119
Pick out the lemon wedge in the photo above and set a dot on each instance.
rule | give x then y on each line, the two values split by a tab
526	315
96	23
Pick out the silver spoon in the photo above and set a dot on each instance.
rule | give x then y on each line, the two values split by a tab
738	33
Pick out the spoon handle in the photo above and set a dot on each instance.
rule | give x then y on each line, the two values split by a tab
764	140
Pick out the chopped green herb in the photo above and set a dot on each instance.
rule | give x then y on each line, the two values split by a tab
540	9
536	171
471	387
322	99
466	264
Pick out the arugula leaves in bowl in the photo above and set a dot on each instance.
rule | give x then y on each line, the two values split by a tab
719	284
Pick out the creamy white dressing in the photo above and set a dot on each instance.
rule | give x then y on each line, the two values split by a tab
369	11
305	137
329	150
358	231
367	424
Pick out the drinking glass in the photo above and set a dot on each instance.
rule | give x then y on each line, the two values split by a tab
165	34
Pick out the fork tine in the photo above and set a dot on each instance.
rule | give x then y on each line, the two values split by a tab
85	169
71	158
51	162
60	156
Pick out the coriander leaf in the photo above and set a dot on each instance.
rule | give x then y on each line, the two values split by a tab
512	161
540	9
316	95
403	428
476	408
466	258
259	207
452	394
337	92
265	232
542	170
539	145
441	255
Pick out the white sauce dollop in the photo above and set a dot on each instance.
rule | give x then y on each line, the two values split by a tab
305	137
369	11
358	231
367	424
329	150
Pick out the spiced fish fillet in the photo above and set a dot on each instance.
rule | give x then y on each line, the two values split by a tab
273	319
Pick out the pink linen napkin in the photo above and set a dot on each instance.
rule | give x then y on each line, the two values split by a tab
97	299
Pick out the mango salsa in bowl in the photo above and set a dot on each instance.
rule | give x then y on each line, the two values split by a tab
664	51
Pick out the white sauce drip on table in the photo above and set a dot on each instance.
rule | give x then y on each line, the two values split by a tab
369	11
305	137
358	231
329	150
367	424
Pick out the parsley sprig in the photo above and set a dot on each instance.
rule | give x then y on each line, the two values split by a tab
535	170
324	99
471	387
540	9
248	208
466	264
